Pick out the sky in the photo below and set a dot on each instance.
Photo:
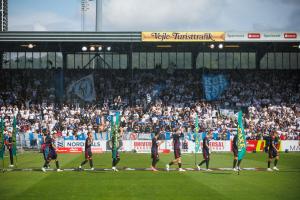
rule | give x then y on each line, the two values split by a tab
157	15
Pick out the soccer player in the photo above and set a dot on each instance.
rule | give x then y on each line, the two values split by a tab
88	151
154	151
273	151
43	145
50	152
235	153
177	153
9	145
117	134
205	152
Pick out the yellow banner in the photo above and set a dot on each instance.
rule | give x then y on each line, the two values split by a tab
183	36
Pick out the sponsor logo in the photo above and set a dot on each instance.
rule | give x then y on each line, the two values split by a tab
142	145
232	35
272	35
294	148
182	36
290	35
254	35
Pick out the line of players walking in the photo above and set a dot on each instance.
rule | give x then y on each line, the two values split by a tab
50	154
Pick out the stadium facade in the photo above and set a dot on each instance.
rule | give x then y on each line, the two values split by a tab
150	50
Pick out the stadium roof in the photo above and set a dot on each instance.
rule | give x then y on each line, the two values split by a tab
151	41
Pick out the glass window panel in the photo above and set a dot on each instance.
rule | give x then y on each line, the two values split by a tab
237	64
271	60
29	60
108	60
286	60
6	60
36	60
51	60
214	60
59	60
207	60
200	60
172	62
78	61
135	60
229	60
278	60
180	60
143	64
116	61
70	61
165	60
99	63
252	61
293	60
244	60
263	62
158	62
222	63
188	60
21	60
14	60
150	60
123	63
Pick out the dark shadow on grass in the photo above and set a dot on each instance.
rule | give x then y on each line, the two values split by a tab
218	173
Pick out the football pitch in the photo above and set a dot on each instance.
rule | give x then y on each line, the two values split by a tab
142	184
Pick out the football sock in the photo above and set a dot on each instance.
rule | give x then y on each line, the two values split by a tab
83	163
207	164
203	161
57	164
234	163
91	163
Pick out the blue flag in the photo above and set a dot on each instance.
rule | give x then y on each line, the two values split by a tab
214	86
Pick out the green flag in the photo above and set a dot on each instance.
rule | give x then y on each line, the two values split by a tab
115	135
14	137
241	137
196	134
1	139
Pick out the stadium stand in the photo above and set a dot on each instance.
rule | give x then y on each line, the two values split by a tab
270	100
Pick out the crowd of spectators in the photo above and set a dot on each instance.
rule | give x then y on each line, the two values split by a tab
152	101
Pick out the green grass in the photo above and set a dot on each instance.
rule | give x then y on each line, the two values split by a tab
284	184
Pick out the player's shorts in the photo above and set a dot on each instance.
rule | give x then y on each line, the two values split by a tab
52	155
154	154
273	153
88	154
235	152
205	154
177	153
43	146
